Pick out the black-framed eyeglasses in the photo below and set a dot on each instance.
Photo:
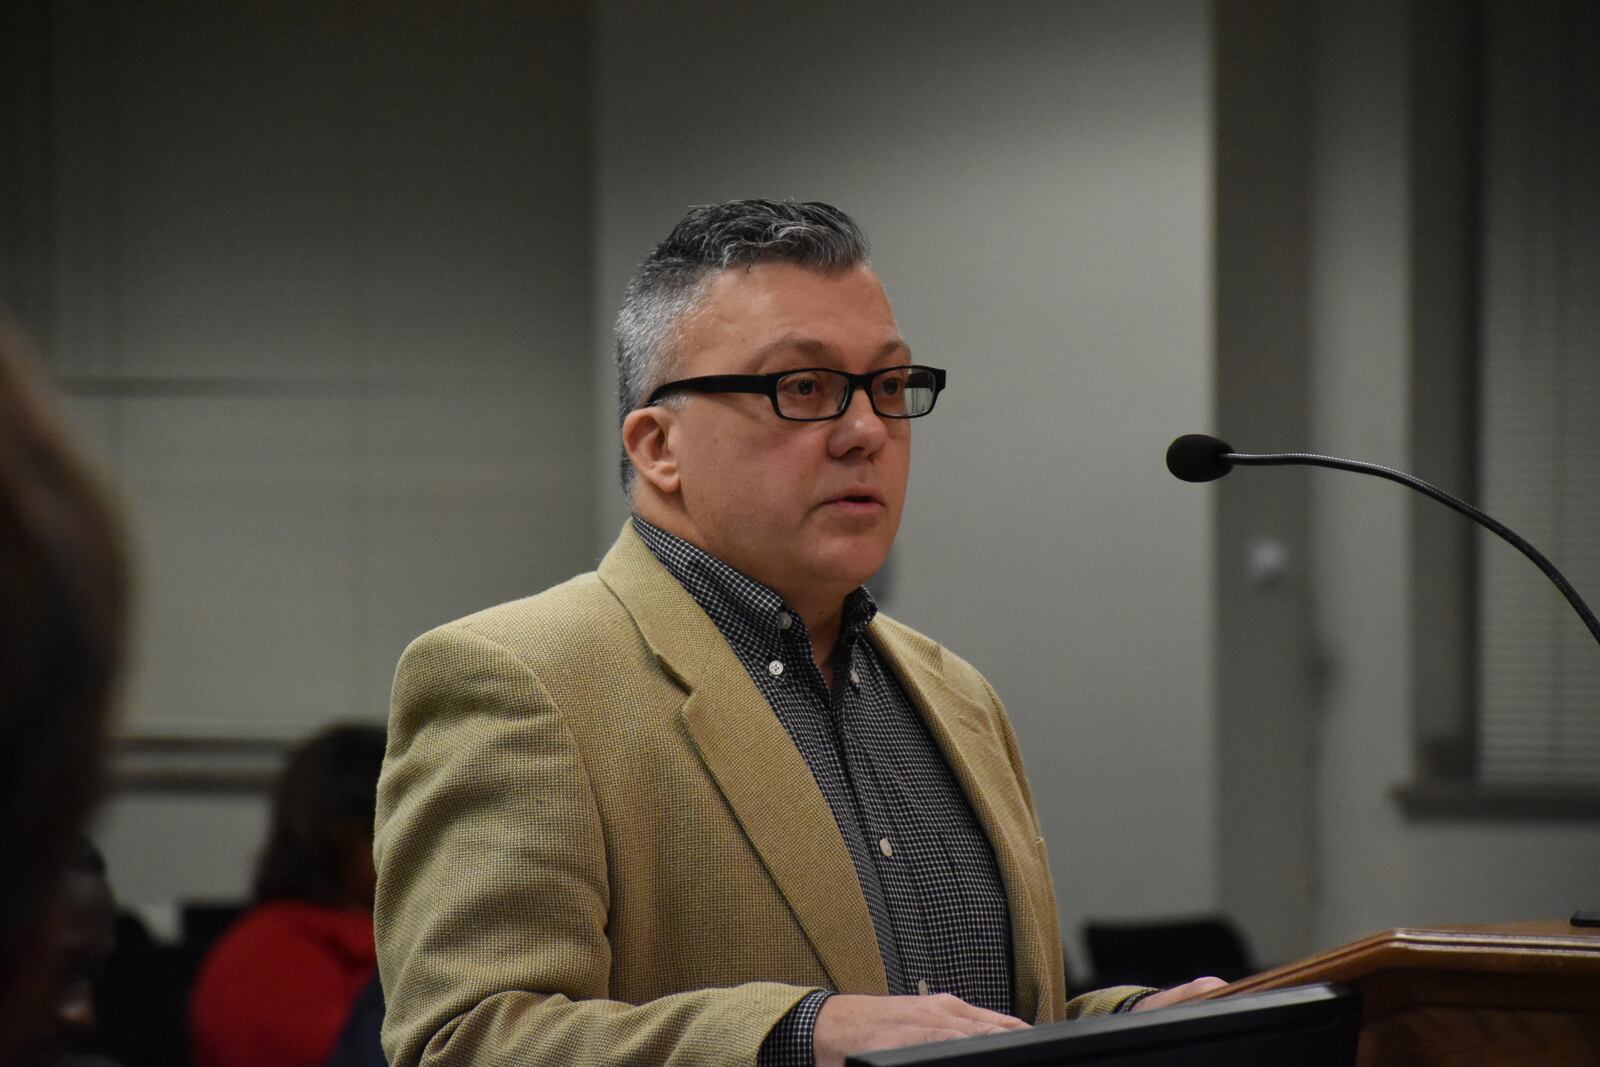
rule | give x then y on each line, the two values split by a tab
816	394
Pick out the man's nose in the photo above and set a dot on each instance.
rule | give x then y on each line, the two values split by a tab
859	427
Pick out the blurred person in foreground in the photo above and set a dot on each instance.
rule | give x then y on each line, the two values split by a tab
707	805
85	938
277	987
63	583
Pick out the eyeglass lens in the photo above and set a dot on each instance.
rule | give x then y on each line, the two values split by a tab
903	392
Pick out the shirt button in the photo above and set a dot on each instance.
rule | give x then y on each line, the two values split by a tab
775	668
922	986
855	679
884	846
784	620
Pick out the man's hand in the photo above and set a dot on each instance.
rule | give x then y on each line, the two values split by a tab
1179	993
848	1024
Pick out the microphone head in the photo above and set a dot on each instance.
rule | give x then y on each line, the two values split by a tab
1198	457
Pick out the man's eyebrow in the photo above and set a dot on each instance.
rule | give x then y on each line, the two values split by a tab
815	347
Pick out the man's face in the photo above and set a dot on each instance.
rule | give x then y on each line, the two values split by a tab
808	508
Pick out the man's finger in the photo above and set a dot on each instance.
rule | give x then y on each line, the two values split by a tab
954	1005
1178	994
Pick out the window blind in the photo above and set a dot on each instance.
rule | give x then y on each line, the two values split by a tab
1539	669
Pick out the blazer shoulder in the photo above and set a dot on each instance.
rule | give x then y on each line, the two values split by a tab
571	618
923	651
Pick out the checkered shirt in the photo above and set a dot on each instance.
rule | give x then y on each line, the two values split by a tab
925	866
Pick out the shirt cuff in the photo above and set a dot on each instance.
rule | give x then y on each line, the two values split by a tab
789	1044
1129	1001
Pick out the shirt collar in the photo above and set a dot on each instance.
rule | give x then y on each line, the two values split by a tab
729	596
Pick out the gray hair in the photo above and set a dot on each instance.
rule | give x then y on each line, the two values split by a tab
709	239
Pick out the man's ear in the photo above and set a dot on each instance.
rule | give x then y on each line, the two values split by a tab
647	436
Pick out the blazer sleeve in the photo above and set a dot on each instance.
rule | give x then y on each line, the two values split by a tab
493	889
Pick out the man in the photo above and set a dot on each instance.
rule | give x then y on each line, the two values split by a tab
706	806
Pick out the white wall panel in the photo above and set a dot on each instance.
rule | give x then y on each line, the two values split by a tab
317	291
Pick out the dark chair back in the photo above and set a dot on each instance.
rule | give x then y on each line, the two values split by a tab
1166	952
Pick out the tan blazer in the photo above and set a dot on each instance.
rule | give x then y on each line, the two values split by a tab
597	844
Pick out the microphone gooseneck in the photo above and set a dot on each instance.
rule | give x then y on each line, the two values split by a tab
1197	457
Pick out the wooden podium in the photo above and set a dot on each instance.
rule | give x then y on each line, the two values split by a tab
1518	993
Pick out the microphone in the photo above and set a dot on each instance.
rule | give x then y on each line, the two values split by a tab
1197	457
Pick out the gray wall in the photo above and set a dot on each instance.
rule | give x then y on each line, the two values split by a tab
1341	321
1267	676
1037	190
1377	867
316	285
332	296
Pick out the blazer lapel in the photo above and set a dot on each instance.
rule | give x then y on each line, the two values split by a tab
983	771
776	800
760	773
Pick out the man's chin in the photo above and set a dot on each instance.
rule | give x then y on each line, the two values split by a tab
815	565
850	570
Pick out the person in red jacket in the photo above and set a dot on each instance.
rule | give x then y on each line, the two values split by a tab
278	985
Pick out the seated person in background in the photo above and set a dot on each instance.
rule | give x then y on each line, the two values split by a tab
62	606
277	987
84	943
706	805
359	1043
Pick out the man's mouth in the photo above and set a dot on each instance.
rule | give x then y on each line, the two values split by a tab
860	498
